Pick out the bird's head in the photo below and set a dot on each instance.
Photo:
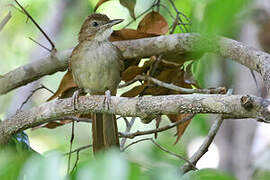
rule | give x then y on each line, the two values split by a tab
97	27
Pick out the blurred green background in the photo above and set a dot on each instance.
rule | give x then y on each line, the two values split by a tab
62	19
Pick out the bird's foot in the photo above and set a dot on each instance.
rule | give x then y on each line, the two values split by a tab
107	100
75	99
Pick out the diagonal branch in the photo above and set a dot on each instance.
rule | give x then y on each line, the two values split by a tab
5	20
205	145
233	106
36	24
165	128
163	149
177	44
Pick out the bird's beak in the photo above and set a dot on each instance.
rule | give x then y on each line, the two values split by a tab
114	22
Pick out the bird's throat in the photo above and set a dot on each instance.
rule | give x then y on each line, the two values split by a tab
103	35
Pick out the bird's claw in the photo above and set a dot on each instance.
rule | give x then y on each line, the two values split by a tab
107	100
75	99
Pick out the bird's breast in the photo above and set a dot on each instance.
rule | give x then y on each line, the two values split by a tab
96	66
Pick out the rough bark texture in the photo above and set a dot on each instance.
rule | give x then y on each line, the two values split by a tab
236	106
170	44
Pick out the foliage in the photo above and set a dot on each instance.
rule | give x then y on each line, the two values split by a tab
20	161
111	165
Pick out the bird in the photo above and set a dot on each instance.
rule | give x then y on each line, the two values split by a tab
96	65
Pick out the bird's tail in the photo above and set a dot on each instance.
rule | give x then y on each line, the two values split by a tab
105	132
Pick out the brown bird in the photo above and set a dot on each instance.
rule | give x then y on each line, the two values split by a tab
96	65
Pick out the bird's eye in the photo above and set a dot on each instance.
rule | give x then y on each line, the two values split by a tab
95	24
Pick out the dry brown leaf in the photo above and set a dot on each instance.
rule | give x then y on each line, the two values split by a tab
166	72
128	34
130	5
52	125
131	72
182	127
66	84
153	23
99	4
134	91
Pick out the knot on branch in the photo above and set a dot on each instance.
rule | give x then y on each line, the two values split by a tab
247	102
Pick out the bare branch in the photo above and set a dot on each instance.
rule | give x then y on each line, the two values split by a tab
73	118
178	13
33	92
232	106
126	121
70	146
135	142
162	148
153	131
36	24
219	90
173	154
41	45
79	149
129	126
205	145
146	47
5	20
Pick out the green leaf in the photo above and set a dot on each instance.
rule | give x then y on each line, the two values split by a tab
43	168
110	165
165	172
11	163
219	16
207	174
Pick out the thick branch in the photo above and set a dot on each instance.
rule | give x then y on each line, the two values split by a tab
235	106
176	44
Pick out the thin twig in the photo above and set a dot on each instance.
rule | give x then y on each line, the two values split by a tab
175	22
130	124
126	121
70	146
154	66
73	118
79	149
162	148
256	83
144	12
219	90
13	6
5	20
44	87
76	161
178	13
39	44
140	133
36	24
168	10
206	143
33	92
173	154
158	5
78	155
152	71
135	142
